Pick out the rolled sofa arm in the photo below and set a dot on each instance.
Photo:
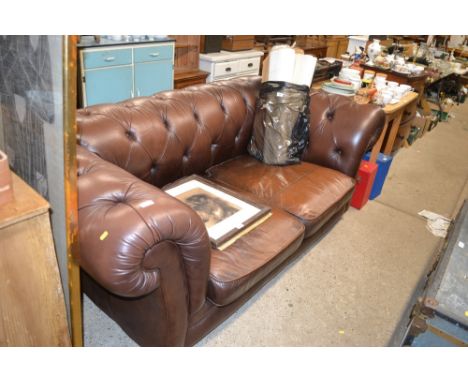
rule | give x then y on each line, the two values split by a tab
128	227
341	131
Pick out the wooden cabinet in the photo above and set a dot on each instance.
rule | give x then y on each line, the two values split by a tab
152	77
325	45
107	85
32	307
115	73
187	52
336	46
239	42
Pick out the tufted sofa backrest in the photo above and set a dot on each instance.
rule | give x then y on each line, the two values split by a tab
172	134
340	131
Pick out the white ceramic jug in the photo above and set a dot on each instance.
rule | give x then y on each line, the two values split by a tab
373	50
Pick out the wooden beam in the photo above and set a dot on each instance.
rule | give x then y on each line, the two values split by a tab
71	191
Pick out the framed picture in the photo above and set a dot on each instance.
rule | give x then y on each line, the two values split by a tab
226	215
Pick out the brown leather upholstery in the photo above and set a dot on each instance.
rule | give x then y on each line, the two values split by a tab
128	228
172	134
210	316
252	257
310	192
146	256
340	131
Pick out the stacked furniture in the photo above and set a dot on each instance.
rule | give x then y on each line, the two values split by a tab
146	256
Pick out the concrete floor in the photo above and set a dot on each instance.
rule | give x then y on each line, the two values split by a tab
353	287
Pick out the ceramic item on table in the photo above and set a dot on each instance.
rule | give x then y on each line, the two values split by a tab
384	96
418	69
399	92
116	37
368	74
330	88
380	87
387	97
342	84
406	88
380	80
379	61
402	69
400	60
373	50
392	84
349	72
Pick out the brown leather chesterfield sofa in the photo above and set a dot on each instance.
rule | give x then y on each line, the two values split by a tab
151	268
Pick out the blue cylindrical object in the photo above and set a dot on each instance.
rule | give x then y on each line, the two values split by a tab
384	162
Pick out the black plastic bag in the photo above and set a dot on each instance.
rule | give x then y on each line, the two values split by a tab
281	124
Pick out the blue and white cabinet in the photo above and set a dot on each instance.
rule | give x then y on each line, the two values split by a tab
116	73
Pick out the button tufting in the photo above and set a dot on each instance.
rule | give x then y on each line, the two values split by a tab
166	123
130	135
196	116
330	114
338	151
223	108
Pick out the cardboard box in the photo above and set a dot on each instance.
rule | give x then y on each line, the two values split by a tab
235	43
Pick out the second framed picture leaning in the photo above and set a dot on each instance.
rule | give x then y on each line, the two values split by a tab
227	216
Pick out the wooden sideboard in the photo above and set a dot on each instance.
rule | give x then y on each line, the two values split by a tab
186	61
32	306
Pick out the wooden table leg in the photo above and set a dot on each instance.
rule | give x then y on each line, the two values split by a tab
393	133
378	145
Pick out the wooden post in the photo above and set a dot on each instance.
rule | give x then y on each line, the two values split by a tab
71	192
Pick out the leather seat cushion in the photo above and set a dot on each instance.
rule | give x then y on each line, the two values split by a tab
310	192
252	257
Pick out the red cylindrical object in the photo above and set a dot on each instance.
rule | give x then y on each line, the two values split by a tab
365	180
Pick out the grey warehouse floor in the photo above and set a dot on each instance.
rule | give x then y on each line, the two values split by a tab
353	287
